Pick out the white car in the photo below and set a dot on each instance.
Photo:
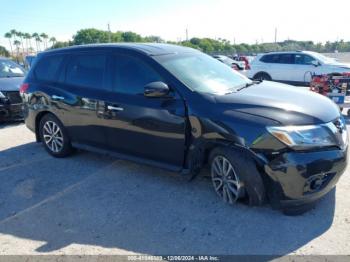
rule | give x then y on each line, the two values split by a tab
293	67
237	65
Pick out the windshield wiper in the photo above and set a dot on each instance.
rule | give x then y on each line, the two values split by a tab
255	82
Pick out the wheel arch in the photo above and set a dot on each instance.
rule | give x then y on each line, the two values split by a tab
199	153
248	171
38	118
261	72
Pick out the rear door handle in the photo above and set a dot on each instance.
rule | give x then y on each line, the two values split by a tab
54	97
115	108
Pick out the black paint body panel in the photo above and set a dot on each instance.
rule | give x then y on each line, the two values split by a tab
177	131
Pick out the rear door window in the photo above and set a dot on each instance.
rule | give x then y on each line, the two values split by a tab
273	58
286	59
87	70
47	69
131	74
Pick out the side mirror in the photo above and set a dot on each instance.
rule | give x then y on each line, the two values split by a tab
315	63
156	89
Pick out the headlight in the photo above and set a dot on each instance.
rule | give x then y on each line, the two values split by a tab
2	95
304	137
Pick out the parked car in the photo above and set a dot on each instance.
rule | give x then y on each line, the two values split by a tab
244	59
11	77
176	108
237	65
294	68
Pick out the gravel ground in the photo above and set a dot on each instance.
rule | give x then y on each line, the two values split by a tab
93	204
343	57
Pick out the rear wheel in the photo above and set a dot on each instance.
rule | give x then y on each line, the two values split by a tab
54	136
262	76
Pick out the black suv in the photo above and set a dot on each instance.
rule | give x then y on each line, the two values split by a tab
179	109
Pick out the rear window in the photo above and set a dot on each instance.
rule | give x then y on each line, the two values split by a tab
47	68
86	70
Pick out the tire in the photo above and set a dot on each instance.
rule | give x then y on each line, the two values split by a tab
242	177
54	136
298	210
262	76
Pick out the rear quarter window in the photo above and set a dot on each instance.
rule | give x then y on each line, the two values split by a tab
47	68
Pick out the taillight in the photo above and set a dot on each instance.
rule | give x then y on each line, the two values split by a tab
23	88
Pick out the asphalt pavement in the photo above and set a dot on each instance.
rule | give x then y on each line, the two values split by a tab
94	204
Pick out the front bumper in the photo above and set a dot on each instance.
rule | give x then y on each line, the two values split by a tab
298	179
10	112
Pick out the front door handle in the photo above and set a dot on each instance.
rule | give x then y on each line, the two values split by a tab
115	108
54	97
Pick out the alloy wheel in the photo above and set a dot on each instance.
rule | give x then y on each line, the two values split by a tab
225	180
53	136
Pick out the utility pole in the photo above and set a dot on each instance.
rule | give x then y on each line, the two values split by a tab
109	34
275	35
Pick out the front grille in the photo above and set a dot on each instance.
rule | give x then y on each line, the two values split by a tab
14	97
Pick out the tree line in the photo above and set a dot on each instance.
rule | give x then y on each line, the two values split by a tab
19	40
22	43
207	45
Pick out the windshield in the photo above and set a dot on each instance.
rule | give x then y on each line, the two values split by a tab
10	69
204	74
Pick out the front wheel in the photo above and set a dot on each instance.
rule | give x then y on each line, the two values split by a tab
225	179
235	176
262	76
54	136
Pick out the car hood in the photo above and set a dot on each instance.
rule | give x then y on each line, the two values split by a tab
289	105
340	65
10	83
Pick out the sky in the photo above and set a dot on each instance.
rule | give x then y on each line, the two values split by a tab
245	21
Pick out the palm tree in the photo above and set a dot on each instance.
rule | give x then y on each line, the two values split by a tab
20	35
8	35
45	37
28	38
36	37
53	41
17	44
13	32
